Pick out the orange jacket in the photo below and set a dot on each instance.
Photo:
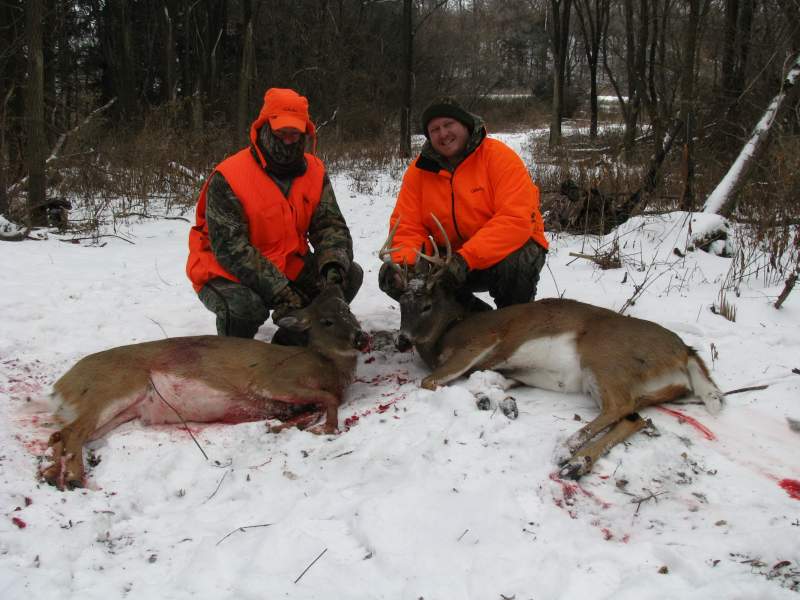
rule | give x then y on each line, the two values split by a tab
278	225
488	206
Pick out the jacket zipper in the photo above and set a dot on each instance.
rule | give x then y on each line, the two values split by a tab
453	204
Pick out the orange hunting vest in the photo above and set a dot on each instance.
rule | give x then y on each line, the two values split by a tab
278	225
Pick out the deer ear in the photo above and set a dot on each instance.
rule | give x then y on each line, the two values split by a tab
293	323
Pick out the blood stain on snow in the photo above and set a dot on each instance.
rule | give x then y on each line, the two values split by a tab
684	418
792	487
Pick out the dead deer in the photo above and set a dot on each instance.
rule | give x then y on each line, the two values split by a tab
207	379
625	364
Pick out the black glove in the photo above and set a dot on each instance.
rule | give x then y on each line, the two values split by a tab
333	274
390	281
455	276
285	301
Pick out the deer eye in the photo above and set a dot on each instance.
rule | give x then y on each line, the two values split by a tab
427	308
326	322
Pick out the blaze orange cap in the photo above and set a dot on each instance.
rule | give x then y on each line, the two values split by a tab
285	108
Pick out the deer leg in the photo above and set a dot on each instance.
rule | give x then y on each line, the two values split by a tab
586	433
458	363
583	460
302	422
67	470
329	402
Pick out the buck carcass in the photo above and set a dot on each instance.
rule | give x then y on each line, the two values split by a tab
625	364
207	379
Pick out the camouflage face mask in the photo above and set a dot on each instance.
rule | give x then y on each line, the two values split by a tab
282	159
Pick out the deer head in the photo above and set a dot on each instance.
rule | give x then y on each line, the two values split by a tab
333	330
427	306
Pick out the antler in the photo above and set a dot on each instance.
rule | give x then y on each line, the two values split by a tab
437	259
385	254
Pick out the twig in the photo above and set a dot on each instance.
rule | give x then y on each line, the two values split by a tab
311	565
185	425
462	535
747	389
640	500
159	326
94	237
146	216
342	454
242	529
218	486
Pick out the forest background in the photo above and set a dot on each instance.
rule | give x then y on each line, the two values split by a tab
133	100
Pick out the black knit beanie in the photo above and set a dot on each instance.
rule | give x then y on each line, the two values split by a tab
447	107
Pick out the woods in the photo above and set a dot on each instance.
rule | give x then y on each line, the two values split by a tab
185	78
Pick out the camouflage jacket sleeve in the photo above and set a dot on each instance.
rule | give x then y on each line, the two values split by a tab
230	242
328	232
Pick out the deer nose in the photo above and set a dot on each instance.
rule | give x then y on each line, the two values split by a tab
362	341
403	343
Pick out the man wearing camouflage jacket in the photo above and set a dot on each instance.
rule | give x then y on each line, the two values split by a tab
259	215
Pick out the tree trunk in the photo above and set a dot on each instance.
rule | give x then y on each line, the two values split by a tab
559	39
408	78
723	199
687	201
246	76
36	150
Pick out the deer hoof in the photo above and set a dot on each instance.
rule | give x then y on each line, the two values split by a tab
576	468
482	401
429	384
509	407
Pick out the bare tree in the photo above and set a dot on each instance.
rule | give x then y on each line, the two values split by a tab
36	150
593	18
559	41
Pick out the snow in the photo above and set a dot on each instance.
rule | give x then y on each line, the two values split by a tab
424	495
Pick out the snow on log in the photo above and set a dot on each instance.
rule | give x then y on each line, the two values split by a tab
722	200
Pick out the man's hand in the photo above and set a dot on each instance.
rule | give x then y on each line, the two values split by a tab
390	280
285	301
455	276
333	274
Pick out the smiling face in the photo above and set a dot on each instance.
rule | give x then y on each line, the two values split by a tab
448	137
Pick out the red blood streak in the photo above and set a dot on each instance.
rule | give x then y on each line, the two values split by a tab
792	487
570	489
682	418
19	522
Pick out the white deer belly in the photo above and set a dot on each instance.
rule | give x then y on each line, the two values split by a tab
550	363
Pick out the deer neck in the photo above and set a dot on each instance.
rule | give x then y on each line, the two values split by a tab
343	362
430	349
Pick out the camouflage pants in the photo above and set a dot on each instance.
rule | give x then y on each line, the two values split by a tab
511	281
240	311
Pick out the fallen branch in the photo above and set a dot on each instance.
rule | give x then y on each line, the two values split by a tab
311	565
722	200
60	142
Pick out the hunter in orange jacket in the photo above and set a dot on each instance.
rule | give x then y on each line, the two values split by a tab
481	192
258	216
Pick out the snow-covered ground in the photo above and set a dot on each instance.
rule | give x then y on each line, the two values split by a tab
421	495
